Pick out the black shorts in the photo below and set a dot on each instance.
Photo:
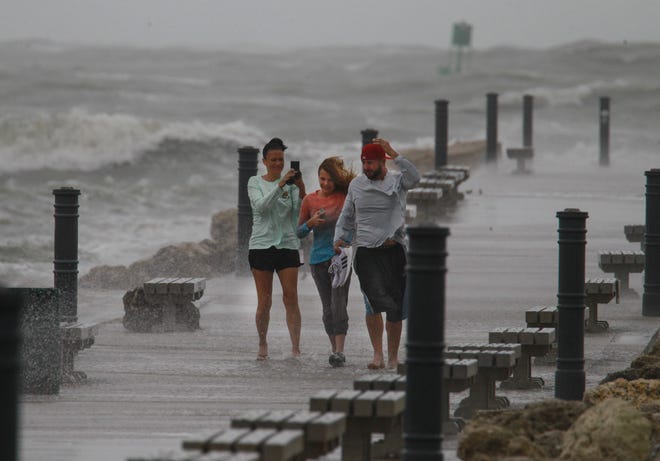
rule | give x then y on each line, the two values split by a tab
273	259
382	275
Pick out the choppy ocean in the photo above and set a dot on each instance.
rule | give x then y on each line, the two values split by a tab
150	136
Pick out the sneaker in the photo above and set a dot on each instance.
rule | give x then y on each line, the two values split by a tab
337	359
340	266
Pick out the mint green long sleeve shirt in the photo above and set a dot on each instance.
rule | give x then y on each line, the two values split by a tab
274	214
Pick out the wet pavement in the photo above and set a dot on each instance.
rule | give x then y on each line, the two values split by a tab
147	392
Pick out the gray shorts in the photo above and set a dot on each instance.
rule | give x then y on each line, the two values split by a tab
333	300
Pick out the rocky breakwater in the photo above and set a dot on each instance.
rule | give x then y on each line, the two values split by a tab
208	258
617	420
467	153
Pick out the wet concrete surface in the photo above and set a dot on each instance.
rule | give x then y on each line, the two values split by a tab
146	392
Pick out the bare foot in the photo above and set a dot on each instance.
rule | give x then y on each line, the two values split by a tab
376	365
392	364
263	352
295	352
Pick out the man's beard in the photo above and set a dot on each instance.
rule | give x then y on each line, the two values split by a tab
375	174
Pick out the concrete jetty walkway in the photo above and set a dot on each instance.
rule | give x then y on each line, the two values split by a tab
146	392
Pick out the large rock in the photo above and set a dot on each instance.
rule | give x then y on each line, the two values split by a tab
638	392
107	277
623	423
534	431
490	442
646	366
612	430
224	225
468	153
208	258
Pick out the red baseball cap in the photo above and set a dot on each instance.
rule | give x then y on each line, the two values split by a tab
373	152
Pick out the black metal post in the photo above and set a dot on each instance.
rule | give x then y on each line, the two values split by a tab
491	127
422	423
441	123
66	251
247	167
651	297
10	306
368	135
570	376
604	117
528	120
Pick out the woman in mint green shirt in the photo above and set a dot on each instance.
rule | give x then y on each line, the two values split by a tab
273	243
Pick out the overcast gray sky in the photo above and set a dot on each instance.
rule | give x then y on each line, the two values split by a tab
300	23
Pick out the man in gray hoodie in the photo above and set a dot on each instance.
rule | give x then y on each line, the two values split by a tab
372	221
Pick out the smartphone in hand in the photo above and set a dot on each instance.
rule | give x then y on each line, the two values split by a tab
295	165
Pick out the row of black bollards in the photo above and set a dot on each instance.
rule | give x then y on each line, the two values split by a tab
426	269
527	128
570	375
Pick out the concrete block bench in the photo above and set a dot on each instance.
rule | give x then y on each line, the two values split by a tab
437	190
457	173
599	291
76	336
495	363
596	290
367	412
534	342
322	430
269	444
635	233
621	264
426	202
392	443
448	187
458	375
424	194
432	196
520	155
189	456
544	317
172	294
541	316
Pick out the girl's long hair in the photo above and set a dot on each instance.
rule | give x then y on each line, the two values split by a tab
341	176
